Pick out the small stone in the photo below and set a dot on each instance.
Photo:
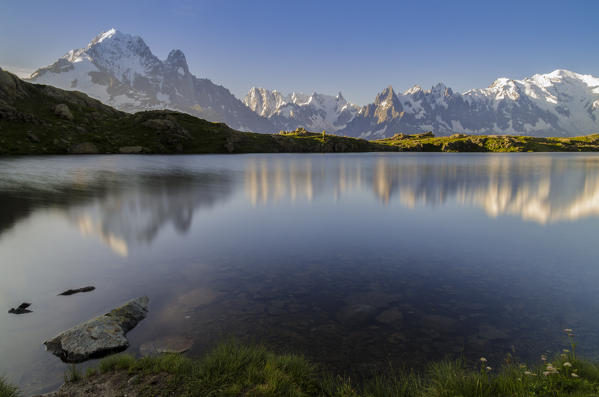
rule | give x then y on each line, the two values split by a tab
133	380
21	309
76	291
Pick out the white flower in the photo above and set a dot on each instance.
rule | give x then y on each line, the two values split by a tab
574	375
527	373
483	360
567	364
566	351
568	330
489	368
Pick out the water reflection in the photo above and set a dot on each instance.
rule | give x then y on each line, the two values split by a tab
121	209
540	189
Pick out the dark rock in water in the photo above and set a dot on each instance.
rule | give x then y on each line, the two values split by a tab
21	309
76	291
99	336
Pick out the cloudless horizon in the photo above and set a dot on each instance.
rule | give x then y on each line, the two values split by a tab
353	47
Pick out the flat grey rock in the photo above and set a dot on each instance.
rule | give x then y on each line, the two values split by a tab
99	336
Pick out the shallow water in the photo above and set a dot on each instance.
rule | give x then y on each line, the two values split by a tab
358	261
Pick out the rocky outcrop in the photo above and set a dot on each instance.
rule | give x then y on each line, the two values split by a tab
62	110
131	149
84	148
474	144
99	336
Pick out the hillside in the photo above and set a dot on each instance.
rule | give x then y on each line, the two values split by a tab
39	119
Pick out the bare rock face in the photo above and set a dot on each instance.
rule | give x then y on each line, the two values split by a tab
63	111
99	336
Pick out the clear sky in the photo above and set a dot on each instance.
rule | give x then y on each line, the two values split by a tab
357	47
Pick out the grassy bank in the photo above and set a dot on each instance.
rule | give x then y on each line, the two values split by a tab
427	142
236	370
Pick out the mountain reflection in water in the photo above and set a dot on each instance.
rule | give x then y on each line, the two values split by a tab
535	188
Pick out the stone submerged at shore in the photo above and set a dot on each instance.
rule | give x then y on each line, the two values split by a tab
99	336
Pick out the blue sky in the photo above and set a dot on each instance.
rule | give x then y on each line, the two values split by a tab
357	47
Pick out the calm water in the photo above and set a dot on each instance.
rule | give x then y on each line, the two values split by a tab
356	260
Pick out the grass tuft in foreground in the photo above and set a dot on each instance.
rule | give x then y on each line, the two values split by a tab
6	390
237	370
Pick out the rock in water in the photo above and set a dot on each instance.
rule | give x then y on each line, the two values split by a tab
21	309
76	291
99	336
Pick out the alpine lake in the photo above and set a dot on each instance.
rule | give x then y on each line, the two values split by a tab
361	262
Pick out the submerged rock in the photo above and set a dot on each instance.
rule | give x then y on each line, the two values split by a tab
355	314
77	290
99	336
21	309
169	344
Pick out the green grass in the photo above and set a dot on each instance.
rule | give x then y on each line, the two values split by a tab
232	369
238	370
6	390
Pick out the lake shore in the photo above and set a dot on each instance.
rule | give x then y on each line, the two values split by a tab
232	369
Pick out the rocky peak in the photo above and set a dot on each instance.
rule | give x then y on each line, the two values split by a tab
440	89
176	59
414	90
385	97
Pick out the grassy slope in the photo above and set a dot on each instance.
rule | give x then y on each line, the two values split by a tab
30	125
235	370
491	143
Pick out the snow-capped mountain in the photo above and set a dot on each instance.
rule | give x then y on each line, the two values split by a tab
314	112
120	70
557	103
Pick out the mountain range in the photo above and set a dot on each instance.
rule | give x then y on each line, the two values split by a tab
120	70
